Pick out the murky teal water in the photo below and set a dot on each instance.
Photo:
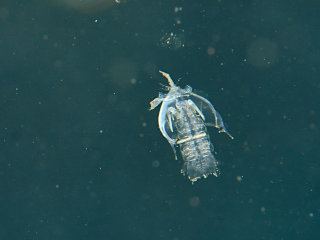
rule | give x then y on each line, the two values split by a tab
81	157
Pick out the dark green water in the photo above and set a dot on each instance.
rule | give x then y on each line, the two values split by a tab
81	157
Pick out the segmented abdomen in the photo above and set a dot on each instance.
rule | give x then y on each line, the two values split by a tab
194	143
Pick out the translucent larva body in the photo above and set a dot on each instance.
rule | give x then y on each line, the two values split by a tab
183	120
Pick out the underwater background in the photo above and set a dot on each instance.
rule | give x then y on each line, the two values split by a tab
81	156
